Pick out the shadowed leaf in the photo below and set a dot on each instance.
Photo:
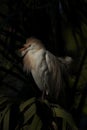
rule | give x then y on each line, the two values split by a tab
29	113
36	123
27	103
58	112
6	120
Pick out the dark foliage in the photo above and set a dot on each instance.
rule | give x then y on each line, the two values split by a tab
57	23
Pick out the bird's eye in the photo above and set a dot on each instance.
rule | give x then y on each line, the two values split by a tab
29	45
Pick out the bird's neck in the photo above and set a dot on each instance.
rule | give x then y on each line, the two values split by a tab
35	51
31	57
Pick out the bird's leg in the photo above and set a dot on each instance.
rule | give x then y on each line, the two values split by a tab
43	95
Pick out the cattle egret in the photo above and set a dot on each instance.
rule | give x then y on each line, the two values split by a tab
44	67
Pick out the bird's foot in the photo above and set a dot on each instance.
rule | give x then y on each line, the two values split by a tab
44	95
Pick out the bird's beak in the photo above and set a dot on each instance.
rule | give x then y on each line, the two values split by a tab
20	51
25	46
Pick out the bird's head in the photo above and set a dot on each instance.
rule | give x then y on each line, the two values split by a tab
32	45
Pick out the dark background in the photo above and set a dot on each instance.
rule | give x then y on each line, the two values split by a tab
62	27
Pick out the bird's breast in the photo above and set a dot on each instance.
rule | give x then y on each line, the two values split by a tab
37	59
39	68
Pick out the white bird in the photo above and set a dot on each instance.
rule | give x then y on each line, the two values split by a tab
44	67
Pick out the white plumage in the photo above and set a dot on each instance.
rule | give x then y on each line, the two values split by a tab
43	65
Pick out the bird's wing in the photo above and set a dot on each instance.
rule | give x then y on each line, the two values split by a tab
55	73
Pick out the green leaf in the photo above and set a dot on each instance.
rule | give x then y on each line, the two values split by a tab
2	113
27	103
39	125
6	120
58	112
29	113
36	123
